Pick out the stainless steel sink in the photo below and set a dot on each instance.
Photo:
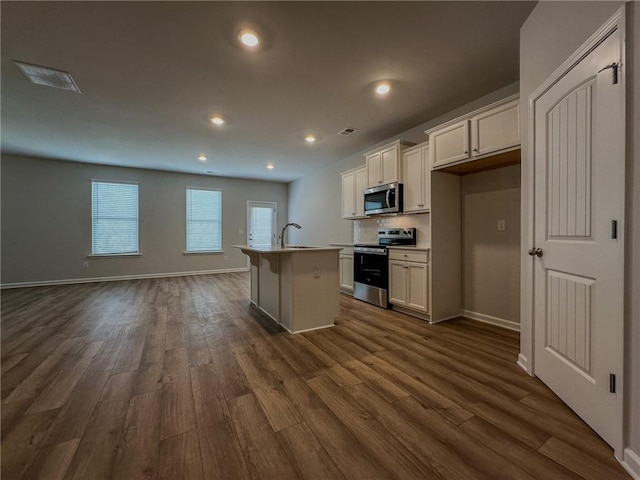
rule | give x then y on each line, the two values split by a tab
299	246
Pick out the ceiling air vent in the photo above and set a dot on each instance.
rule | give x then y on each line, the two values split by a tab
347	131
48	76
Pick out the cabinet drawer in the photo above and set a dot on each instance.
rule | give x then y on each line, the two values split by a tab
420	256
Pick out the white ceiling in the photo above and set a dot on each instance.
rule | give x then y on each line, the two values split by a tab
151	73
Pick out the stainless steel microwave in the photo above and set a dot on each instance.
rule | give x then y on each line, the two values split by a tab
383	199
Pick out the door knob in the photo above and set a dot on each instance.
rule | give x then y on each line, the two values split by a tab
535	251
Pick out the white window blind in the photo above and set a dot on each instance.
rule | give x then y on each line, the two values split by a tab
114	215
204	220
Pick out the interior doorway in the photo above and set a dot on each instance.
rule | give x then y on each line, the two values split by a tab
578	133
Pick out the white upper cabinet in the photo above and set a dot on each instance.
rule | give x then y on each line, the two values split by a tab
360	182
488	131
416	171
383	164
495	130
450	144
353	184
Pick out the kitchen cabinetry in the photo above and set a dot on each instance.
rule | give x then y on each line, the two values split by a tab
409	280
346	270
383	164
353	184
416	170
449	144
489	131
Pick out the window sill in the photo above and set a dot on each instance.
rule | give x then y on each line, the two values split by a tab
205	252
114	255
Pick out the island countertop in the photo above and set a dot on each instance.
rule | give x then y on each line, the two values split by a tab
297	286
286	249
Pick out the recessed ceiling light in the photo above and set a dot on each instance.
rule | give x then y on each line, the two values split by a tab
217	120
249	38
202	158
383	88
270	166
310	138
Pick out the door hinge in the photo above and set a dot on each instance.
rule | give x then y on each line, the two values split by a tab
614	229
612	383
614	66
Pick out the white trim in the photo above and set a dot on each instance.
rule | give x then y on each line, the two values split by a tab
124	182
523	364
44	283
412	312
497	321
307	329
445	319
113	255
631	463
204	252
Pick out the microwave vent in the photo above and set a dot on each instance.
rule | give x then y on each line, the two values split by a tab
347	131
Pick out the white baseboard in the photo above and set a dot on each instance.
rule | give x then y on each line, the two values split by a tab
523	363
445	319
499	322
142	276
631	463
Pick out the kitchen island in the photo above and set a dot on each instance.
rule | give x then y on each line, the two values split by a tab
297	286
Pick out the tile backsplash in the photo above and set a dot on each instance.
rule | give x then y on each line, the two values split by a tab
366	230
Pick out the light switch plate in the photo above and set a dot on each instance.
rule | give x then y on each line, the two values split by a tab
502	225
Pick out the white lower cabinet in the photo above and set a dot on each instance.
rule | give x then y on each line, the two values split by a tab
346	270
409	280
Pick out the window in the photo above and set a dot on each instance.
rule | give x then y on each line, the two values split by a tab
204	220
114	218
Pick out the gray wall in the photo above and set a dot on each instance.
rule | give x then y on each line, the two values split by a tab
553	31
491	258
46	220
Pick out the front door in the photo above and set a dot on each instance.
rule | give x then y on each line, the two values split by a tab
261	220
578	251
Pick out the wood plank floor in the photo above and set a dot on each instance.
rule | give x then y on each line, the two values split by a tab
180	378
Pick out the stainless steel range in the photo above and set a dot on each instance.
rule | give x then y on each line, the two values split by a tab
371	265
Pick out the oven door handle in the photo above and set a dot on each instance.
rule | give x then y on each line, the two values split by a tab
369	251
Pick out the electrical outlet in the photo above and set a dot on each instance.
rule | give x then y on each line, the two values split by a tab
85	264
225	258
316	272
240	232
502	225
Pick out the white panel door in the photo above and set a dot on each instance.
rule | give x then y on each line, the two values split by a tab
261	223
578	273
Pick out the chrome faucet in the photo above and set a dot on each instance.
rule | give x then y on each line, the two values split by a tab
284	228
